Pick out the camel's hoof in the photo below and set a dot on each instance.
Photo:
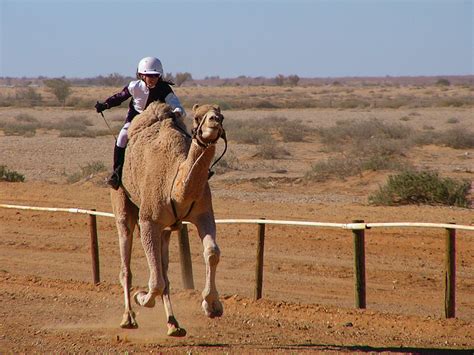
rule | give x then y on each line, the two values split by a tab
128	321
176	331
140	298
213	309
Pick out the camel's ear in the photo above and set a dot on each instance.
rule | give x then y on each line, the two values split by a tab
195	107
217	108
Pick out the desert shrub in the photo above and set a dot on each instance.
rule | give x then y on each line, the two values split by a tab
270	149
458	138
345	132
20	129
73	126
454	102
265	104
89	170
28	97
9	175
247	131
24	117
353	103
24	125
340	168
425	187
228	162
290	130
351	165
79	102
257	131
77	133
396	102
429	136
367	145
452	120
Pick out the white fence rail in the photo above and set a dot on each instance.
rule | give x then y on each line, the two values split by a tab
357	227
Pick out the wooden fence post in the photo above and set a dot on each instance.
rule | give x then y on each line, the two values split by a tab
94	248
259	263
359	265
185	258
450	274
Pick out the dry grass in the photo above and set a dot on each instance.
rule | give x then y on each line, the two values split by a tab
268	97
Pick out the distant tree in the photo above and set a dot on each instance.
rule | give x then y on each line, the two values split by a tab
114	79
443	82
60	88
182	77
293	80
280	80
169	77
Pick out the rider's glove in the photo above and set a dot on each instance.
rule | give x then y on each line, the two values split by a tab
101	106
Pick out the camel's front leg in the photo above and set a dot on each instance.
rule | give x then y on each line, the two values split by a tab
173	326
125	225
207	232
150	236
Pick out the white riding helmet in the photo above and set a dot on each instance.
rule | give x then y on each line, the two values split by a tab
150	65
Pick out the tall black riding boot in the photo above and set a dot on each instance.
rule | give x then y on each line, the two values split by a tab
115	179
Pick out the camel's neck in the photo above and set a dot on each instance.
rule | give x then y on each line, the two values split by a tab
193	173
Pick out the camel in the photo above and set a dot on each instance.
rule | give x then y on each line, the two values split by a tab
165	182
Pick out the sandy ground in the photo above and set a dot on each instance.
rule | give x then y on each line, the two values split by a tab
48	303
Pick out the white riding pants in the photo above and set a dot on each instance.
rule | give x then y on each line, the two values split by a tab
122	138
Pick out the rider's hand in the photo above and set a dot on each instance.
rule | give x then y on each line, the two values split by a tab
178	113
101	106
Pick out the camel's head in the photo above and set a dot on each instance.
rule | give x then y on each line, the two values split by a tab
207	125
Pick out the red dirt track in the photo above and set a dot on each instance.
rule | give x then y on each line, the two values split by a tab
49	304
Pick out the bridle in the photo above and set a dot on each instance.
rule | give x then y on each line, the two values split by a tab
197	138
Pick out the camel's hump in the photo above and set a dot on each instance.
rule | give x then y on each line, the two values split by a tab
152	119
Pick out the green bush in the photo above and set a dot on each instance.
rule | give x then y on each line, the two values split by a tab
425	187
9	175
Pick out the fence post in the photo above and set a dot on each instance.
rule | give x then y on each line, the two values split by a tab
450	274
259	263
94	248
359	265
185	258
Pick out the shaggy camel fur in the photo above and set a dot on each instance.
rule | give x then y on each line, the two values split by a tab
165	181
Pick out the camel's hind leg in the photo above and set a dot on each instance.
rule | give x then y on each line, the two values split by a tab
173	326
125	219
207	232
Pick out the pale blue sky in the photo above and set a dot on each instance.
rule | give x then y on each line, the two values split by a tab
229	38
